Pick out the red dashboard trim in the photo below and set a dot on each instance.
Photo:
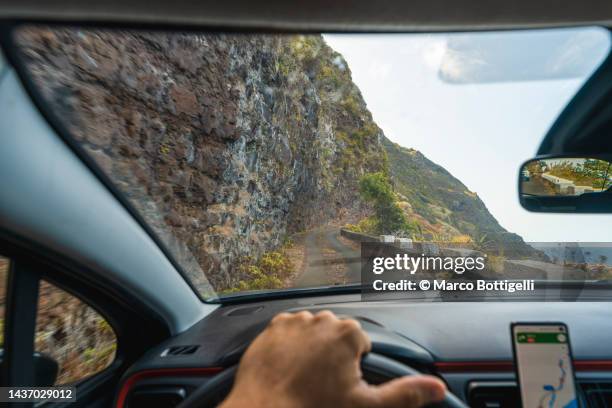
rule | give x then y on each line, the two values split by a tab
441	366
505	366
593	365
161	372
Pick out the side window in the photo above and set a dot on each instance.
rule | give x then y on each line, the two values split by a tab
73	334
67	330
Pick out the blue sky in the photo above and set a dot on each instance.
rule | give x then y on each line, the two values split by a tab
480	132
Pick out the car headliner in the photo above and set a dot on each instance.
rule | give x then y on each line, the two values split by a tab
323	15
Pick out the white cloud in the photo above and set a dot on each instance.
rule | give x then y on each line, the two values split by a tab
433	52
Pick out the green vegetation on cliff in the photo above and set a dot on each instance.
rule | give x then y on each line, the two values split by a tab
442	206
375	188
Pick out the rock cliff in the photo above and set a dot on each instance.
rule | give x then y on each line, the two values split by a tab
229	143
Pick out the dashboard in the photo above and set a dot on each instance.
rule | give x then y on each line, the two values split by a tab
468	344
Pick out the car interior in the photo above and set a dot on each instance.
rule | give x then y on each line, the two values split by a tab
159	159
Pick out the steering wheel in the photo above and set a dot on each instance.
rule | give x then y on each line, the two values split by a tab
210	394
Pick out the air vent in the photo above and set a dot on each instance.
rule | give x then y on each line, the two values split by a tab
597	394
179	350
156	397
493	394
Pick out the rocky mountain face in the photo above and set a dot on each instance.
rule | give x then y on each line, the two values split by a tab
229	144
225	143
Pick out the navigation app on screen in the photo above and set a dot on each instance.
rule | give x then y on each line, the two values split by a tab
544	366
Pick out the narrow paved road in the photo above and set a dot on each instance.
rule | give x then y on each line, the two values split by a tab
324	252
551	271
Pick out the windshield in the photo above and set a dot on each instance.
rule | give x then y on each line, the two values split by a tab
264	162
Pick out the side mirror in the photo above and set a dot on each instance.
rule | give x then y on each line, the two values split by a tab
566	184
45	370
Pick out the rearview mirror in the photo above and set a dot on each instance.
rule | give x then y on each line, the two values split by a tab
566	184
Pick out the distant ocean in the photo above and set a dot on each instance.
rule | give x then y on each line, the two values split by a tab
579	252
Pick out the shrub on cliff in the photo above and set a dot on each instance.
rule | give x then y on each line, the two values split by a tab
368	225
257	280
389	218
268	272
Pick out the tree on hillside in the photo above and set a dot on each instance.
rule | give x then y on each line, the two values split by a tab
598	170
376	188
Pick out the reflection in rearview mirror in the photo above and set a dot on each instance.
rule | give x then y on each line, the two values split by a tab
566	184
565	176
